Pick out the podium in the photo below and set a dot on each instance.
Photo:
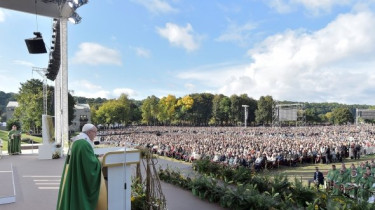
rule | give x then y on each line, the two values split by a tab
48	147
117	162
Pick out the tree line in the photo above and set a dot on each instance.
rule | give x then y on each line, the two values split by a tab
197	109
206	109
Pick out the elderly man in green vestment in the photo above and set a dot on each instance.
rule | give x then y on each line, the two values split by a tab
364	192
81	179
351	187
338	185
14	143
331	177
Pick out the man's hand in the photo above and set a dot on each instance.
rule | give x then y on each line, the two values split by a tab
100	157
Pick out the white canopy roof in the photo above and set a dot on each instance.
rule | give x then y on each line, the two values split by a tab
49	8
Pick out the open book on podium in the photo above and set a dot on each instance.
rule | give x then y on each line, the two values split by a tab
117	171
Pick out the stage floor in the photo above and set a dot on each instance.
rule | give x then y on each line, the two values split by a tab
36	181
37	184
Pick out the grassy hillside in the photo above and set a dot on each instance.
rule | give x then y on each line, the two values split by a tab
4	137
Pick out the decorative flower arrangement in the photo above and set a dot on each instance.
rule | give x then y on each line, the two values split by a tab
139	199
56	155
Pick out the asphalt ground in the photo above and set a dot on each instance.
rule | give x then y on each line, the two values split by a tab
37	183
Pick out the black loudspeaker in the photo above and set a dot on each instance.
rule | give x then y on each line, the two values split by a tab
36	45
55	54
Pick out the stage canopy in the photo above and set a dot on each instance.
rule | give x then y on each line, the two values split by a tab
49	8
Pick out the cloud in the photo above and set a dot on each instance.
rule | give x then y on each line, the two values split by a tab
130	92
96	54
87	89
314	7
334	63
180	36
2	16
189	86
8	82
157	6
279	5
322	5
213	75
88	85
239	34
23	63
142	52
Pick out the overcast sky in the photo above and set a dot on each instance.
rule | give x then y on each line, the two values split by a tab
298	50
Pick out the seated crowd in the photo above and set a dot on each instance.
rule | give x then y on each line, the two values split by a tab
256	147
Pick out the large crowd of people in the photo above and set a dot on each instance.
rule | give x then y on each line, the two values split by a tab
256	147
260	147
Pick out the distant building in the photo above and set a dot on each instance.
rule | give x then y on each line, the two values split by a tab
82	115
12	105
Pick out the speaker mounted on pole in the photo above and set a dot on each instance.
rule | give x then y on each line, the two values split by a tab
36	45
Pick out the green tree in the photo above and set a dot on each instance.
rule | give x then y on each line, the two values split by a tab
135	110
71	103
312	116
94	117
224	107
201	112
183	106
150	110
30	105
220	109
126	109
236	110
167	108
263	114
252	103
328	117
342	116
111	112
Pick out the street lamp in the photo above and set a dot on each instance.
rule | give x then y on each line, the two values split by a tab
245	106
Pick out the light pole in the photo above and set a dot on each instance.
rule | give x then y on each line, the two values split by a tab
245	106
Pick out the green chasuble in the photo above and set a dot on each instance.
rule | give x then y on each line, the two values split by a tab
352	186
332	175
340	180
14	143
364	191
80	182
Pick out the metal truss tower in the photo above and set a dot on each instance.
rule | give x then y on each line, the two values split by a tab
42	72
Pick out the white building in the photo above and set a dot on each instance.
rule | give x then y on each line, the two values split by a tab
82	115
12	105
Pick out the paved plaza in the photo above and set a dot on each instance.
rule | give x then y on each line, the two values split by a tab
37	182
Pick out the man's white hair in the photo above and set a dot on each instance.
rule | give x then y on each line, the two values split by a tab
87	127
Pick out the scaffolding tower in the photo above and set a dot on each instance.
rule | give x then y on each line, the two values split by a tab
42	72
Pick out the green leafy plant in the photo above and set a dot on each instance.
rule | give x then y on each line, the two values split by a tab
301	194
